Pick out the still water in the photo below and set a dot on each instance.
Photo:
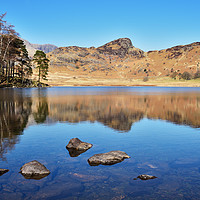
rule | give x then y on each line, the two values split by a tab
158	127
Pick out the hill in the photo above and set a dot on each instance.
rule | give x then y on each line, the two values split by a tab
119	63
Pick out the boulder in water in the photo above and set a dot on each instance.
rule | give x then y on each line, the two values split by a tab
34	170
109	158
145	177
76	147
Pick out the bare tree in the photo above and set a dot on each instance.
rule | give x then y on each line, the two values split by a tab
7	36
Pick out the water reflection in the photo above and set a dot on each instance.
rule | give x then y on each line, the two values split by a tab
121	111
75	153
115	110
35	176
14	113
41	110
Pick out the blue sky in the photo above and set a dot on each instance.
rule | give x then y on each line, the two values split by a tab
150	24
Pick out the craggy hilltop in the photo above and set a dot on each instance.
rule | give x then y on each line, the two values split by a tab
120	63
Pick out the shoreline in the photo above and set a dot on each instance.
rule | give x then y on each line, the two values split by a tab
106	85
178	84
94	82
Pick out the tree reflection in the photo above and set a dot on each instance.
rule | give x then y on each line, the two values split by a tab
42	110
14	113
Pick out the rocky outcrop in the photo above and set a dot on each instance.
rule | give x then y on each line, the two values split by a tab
121	48
77	147
3	171
136	52
145	177
109	158
118	47
34	170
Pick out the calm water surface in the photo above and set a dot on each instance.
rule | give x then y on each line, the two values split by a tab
158	127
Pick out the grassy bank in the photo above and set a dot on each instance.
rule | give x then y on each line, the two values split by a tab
19	83
60	79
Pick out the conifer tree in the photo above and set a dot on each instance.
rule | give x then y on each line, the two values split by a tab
42	64
23	67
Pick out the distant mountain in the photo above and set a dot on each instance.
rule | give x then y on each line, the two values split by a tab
43	47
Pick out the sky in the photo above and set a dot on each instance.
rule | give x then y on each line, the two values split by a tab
150	24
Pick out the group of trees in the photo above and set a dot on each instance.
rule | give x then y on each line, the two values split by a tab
14	59
185	75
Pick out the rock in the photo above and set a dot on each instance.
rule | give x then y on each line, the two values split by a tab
145	177
77	144
3	171
109	158
34	170
76	147
138	53
117	47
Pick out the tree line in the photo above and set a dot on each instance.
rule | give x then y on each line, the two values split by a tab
15	64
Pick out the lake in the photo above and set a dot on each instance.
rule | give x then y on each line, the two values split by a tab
159	128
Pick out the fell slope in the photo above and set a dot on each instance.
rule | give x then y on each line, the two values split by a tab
120	60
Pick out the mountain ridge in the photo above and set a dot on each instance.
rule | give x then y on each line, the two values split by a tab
120	51
32	48
120	61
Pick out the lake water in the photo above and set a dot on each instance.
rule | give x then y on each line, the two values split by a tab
158	127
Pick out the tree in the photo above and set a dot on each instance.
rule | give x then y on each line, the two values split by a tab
197	75
14	59
7	36
42	64
174	75
24	67
146	78
186	76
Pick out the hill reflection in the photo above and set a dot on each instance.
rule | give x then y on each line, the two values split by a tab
118	111
121	111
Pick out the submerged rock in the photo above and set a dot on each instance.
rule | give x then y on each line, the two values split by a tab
109	158
34	170
87	177
3	171
76	147
145	177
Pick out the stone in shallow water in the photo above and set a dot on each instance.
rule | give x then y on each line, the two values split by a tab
34	170
77	147
87	177
145	177
3	171
109	158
